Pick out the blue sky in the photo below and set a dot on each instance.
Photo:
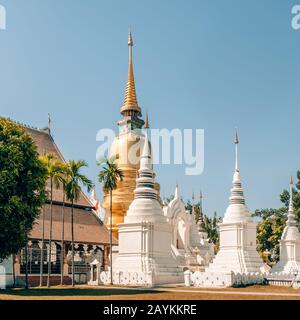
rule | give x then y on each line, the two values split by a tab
205	64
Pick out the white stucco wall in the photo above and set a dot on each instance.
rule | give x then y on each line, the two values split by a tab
6	273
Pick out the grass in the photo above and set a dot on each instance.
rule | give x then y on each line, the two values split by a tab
167	293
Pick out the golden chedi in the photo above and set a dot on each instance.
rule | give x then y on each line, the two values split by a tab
126	148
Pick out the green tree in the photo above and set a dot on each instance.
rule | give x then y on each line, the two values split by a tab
272	222
54	169
73	189
109	177
22	187
269	232
211	226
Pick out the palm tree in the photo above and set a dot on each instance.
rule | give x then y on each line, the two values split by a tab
42	249
73	189
62	236
63	179
54	171
109	176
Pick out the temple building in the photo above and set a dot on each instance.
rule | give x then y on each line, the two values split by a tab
131	135
190	244
90	235
289	262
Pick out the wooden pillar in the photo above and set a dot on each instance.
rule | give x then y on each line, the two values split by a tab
106	257
65	262
17	263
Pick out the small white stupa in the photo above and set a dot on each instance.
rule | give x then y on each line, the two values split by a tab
289	262
194	229
237	261
145	237
237	232
206	248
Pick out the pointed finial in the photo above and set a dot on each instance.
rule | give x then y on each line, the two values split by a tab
236	138
176	196
291	193
146	126
201	200
49	123
130	101
236	142
130	41
193	198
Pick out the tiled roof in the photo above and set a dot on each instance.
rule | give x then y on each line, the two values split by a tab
45	144
88	229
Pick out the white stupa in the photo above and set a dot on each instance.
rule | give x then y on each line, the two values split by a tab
145	237
237	260
237	233
289	262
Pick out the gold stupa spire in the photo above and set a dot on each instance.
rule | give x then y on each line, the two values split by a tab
130	102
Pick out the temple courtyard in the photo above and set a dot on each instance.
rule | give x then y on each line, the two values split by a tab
160	293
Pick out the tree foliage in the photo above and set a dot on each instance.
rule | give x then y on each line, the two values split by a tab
272	223
74	179
55	174
211	226
110	174
109	177
269	231
72	188
22	187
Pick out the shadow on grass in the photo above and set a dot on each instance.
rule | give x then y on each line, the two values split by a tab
64	292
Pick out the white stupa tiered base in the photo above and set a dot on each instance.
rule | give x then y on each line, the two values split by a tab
144	257
237	262
237	250
289	262
144	251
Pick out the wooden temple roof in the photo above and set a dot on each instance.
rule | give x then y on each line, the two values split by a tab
88	229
